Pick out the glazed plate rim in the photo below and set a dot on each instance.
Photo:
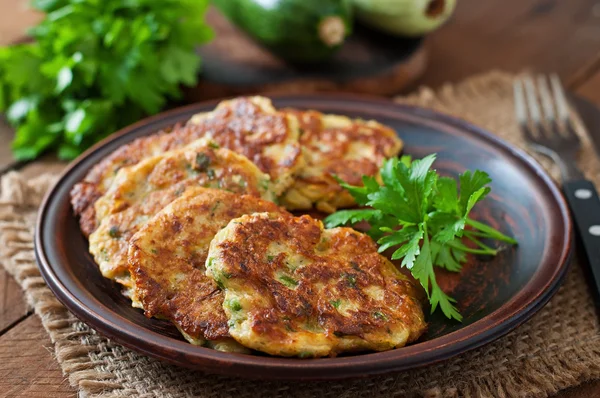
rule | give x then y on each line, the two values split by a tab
515	311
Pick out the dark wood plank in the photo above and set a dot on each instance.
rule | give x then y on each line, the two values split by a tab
590	89
544	35
586	390
15	18
27	368
6	135
12	305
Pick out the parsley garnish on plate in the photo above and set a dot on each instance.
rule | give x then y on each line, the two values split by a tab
424	217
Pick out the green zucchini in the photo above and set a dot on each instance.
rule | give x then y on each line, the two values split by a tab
299	31
404	17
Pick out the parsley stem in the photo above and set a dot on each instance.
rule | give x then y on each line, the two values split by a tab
490	232
477	233
467	249
480	244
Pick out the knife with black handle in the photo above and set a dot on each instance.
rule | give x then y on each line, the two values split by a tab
585	207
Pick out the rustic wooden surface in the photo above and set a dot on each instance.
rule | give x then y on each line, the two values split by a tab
537	35
27	367
541	35
12	305
6	157
591	88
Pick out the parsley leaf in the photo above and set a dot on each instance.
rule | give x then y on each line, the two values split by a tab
447	257
473	189
397	237
96	66
446	198
343	217
423	217
360	194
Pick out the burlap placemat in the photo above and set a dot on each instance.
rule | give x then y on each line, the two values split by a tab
559	347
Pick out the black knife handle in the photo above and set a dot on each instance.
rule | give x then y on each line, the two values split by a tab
585	207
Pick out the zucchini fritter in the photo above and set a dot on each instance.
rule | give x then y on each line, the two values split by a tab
168	254
337	146
248	125
293	288
140	191
253	128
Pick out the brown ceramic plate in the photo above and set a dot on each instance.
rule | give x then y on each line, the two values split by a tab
494	294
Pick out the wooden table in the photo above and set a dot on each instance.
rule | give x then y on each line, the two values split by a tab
540	35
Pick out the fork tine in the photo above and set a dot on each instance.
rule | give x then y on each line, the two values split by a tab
520	106
546	98
559	96
533	105
521	110
543	134
562	107
534	109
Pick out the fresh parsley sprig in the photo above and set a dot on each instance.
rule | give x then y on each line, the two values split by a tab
424	216
94	66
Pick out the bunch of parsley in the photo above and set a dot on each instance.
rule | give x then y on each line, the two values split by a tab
94	66
426	216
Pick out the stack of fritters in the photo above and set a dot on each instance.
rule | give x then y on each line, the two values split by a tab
140	191
248	126
271	282
167	258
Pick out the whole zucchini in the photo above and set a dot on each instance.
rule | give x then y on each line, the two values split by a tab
299	31
404	17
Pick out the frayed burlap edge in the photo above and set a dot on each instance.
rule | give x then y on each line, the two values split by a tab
558	348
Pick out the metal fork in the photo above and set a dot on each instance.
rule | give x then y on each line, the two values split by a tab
548	127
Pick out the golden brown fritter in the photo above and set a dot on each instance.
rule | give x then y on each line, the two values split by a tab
85	193
254	128
140	191
168	254
293	288
247	125
337	146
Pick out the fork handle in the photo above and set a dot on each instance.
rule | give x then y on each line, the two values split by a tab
585	207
